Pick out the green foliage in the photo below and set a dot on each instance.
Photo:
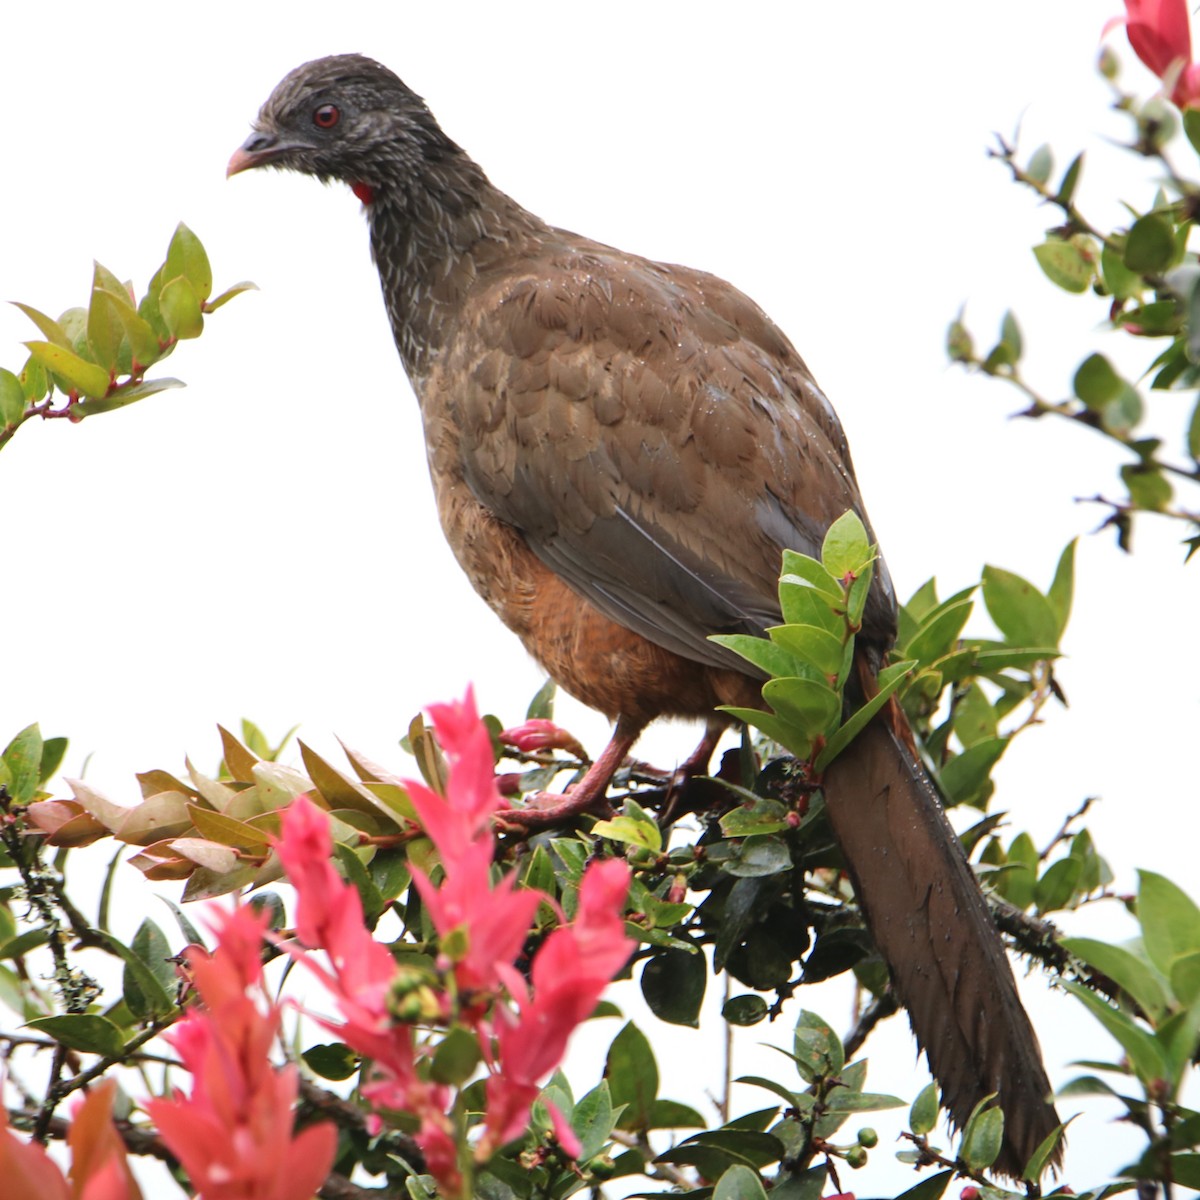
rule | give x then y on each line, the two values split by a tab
1148	282
97	357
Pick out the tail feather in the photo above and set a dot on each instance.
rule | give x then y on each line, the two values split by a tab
932	926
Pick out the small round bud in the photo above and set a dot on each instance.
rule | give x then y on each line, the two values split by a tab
856	1157
868	1137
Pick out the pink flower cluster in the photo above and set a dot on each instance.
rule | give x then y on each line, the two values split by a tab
522	1028
1161	36
233	1133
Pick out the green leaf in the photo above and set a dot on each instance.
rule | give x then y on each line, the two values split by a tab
1021	613
739	1183
180	308
982	1138
331	1060
1119	280
1055	889
758	816
1064	264
1193	433
776	728
23	758
1144	1052
123	394
593	1120
1150	245
153	953
1066	189
1062	590
78	374
632	1076
890	678
1096	383
819	650
228	294
818	1050
51	330
105	333
456	1057
632	831
801	570
673	984
12	400
939	631
769	657
86	1032
757	856
1170	920
964	777
1148	487
923	1115
541	707
812	707
746	1009
187	257
1132	974
670	1114
143	341
975	719
846	549
933	1187
1041	164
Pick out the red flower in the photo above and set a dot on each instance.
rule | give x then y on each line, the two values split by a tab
99	1168
233	1133
570	972
1160	33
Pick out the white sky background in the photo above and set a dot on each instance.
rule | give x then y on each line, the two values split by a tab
264	543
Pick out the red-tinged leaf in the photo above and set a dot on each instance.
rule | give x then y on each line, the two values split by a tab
160	862
79	374
219	827
239	762
211	855
65	822
162	816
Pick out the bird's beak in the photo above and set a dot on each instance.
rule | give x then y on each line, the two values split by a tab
259	148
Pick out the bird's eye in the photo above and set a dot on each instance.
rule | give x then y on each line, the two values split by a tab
327	116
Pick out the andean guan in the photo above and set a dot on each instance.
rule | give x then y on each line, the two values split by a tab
620	450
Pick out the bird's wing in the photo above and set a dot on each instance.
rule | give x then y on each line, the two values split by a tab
656	440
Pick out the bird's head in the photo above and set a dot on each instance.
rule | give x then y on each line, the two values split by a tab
345	118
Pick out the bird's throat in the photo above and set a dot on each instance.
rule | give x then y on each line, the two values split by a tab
364	191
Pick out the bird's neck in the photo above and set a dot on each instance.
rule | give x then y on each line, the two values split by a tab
431	238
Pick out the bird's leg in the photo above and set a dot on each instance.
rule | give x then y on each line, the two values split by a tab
588	795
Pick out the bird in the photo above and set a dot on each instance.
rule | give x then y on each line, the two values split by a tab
620	451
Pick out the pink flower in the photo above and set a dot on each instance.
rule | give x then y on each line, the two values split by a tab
1160	33
571	971
233	1133
464	815
540	734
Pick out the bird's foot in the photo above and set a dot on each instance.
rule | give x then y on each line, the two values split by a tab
589	795
544	810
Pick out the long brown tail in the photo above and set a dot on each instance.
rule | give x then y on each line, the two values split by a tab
932	926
